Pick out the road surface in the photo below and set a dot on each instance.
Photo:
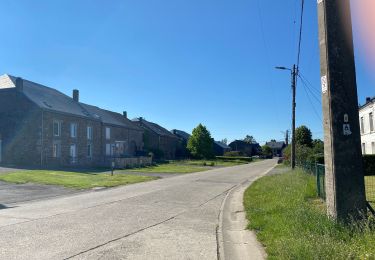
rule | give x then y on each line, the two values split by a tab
172	218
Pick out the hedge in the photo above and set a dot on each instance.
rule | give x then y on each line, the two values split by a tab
231	158
369	165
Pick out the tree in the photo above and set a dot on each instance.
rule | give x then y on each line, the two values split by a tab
200	143
224	141
303	136
249	139
267	151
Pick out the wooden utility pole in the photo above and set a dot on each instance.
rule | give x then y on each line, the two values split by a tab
293	152
345	189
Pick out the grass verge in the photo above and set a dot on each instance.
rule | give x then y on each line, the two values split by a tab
72	179
291	222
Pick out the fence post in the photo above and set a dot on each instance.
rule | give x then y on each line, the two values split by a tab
318	180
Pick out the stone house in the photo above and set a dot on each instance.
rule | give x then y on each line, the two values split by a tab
276	147
246	149
221	148
43	127
158	140
183	138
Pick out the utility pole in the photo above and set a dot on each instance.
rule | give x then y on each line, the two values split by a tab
345	190
294	73
293	152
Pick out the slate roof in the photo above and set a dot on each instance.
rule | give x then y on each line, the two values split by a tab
222	145
51	99
159	130
276	145
181	134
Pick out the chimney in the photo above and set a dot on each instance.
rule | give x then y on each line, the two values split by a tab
368	100
125	114
19	84
140	119
76	95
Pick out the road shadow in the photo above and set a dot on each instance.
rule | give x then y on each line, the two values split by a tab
2	206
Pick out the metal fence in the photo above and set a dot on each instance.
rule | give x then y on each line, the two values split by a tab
318	170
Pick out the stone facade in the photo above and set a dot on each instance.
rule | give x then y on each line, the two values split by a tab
158	140
42	127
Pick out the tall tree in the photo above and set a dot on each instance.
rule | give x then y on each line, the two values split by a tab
249	139
224	141
200	143
303	136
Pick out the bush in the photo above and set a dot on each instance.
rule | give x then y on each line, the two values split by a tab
238	158
369	165
233	154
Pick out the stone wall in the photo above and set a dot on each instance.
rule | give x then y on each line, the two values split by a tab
65	140
19	128
122	163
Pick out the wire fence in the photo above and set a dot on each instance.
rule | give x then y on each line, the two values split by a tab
318	170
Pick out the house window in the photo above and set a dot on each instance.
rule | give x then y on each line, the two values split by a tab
107	133
89	150
73	153
371	119
108	149
56	128
73	130
362	127
363	148
89	133
56	151
373	147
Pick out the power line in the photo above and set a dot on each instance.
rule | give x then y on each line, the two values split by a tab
300	34
311	103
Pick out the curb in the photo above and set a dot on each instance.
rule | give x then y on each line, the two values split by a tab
219	228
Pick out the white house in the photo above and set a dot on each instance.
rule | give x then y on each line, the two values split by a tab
366	122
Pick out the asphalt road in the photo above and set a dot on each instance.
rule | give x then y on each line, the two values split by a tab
172	218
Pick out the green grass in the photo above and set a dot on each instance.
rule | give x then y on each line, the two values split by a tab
291	222
72	179
186	166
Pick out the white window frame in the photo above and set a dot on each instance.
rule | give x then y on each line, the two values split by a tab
371	121
73	155
108	149
58	123
108	133
56	150
373	147
89	133
363	148
73	130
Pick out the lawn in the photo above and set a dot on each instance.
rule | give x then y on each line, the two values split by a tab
72	179
186	166
291	222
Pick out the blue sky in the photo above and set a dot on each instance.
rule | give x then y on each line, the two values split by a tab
175	62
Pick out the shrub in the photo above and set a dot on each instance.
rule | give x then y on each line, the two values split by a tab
369	165
238	158
233	154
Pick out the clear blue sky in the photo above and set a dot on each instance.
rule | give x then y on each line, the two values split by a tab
175	62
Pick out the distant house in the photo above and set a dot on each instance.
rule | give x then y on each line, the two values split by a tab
183	138
42	126
157	139
367	126
277	147
220	148
247	149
